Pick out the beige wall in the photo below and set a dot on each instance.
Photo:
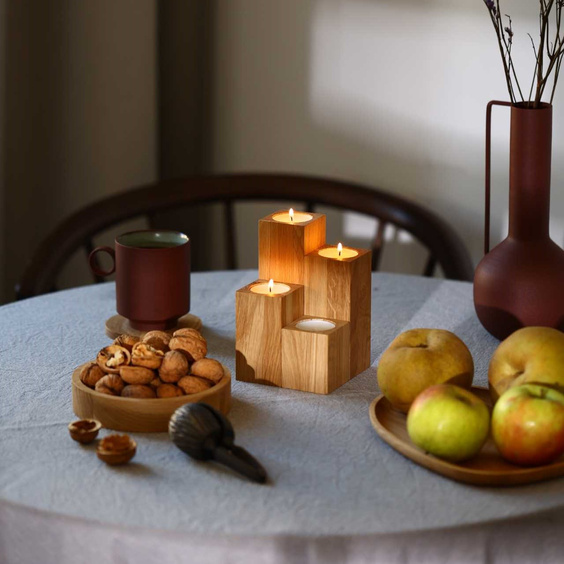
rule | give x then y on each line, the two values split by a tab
81	112
387	93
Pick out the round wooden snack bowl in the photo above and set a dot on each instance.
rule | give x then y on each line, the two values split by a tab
142	415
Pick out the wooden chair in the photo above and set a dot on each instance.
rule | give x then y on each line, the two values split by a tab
445	247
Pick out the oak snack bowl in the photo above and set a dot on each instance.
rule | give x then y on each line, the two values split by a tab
142	415
84	431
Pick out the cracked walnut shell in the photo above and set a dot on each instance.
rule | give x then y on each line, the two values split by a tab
146	355
157	339
111	358
189	342
116	449
208	368
126	341
110	384
174	366
90	374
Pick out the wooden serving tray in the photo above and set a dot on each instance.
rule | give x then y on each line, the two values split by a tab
488	468
142	415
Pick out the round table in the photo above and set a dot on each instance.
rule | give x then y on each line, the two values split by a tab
337	492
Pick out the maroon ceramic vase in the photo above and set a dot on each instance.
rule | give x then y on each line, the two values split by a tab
520	282
152	277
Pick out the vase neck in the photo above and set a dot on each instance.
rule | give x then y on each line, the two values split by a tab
529	172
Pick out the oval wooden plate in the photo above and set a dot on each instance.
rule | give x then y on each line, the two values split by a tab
485	469
142	415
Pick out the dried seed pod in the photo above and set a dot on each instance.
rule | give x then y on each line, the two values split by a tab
126	341
157	339
116	449
138	391
174	366
193	384
110	384
169	391
111	358
209	369
90	374
146	355
136	374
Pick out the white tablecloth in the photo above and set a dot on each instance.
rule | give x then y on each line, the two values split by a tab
337	493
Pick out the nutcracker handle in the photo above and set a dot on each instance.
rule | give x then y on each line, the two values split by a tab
488	169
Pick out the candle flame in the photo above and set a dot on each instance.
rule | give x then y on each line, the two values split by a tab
270	285
291	214
340	249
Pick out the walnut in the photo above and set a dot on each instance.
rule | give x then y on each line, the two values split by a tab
169	391
146	355
157	339
90	374
116	449
174	366
110	358
110	384
209	369
155	382
126	341
136	374
189	342
138	391
193	384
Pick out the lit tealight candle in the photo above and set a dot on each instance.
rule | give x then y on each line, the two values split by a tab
270	288
292	217
315	325
338	252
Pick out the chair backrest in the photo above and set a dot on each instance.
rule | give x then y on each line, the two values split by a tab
445	247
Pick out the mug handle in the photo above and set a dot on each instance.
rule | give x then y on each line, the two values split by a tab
94	264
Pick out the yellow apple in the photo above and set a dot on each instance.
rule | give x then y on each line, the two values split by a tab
420	358
449	422
532	355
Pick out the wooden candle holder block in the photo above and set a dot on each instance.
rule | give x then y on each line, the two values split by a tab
283	246
340	288
317	362
259	322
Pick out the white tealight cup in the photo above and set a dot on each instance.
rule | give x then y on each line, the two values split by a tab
315	325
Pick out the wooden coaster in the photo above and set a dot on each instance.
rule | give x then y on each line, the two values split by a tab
118	325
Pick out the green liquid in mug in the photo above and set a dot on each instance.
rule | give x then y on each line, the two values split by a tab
152	239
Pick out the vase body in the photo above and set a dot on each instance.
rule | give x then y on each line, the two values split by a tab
520	282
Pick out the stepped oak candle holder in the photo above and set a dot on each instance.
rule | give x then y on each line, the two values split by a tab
305	324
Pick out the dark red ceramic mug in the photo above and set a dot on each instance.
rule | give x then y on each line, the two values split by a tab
152	277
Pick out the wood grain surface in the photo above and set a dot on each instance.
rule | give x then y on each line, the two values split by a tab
142	415
259	322
283	246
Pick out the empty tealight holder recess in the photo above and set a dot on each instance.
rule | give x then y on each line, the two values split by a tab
315	355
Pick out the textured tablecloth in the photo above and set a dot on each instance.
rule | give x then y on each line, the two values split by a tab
338	492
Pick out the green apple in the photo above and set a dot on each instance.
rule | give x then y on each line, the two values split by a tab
419	358
528	425
532	355
449	422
